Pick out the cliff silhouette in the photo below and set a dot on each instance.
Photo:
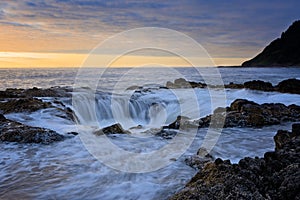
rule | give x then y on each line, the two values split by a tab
283	51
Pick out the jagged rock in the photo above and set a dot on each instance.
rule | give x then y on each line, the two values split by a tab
66	113
167	133
259	85
11	131
2	117
240	104
113	129
234	85
23	105
275	176
182	83
296	129
181	122
72	133
35	92
289	86
286	86
198	162
244	113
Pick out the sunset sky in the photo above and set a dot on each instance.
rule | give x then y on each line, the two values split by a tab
61	33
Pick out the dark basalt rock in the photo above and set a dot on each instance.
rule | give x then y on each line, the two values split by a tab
244	113
35	92
200	160
2	118
23	105
259	85
276	176
28	105
182	83
283	51
296	128
181	122
11	131
113	129
289	86
232	85
167	133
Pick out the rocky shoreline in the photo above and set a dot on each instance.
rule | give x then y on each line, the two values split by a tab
275	176
241	112
11	131
286	86
26	101
244	113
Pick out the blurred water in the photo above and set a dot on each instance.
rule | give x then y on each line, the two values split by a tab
66	170
44	78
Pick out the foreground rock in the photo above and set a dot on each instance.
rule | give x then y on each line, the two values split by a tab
23	105
113	129
171	130
244	113
275	176
11	131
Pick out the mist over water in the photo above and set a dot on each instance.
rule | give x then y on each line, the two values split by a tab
66	170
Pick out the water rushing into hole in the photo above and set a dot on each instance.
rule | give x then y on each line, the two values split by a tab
147	110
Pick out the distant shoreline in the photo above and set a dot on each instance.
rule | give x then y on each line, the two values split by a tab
239	66
233	66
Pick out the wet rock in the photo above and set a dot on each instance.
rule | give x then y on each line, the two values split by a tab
181	122
2	118
289	86
113	129
244	113
12	93
239	104
296	129
167	133
134	87
234	85
259	85
66	113
23	105
176	123
275	176
11	131
286	86
72	133
35	92
182	83
198	162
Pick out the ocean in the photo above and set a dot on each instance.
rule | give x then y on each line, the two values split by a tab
72	170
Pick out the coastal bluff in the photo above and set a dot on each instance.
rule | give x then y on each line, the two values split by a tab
283	51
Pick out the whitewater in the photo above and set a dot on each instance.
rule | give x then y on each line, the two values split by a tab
67	170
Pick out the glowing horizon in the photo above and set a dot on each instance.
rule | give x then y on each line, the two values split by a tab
75	60
61	33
